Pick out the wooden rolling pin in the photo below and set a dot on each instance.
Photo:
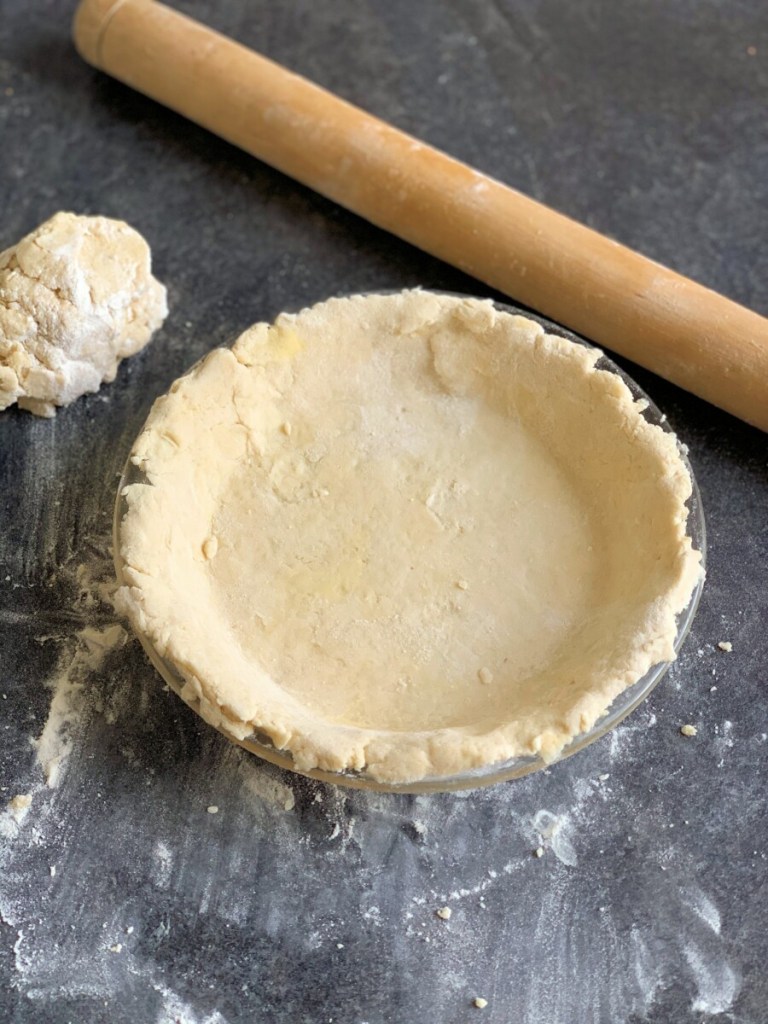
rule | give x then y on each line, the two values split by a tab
621	300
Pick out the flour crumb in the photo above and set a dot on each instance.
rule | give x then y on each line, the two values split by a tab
539	851
479	1002
286	428
688	730
213	809
129	930
117	948
52	870
339	945
19	806
712	689
604	777
462	584
210	547
725	645
444	913
485	676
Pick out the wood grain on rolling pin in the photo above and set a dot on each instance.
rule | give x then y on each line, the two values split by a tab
623	301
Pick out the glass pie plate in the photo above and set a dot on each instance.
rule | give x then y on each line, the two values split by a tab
515	767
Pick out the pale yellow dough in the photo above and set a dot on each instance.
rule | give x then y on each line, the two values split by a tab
409	534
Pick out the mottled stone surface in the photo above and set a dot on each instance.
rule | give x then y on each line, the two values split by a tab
298	902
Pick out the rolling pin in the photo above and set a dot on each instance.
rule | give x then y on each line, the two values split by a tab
623	301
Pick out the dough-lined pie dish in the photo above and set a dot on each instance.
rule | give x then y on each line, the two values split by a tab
408	540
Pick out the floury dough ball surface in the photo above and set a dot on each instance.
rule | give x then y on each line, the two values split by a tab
77	296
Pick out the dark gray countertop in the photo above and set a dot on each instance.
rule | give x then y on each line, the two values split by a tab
121	898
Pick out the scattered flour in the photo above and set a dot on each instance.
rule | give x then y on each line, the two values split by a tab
557	829
259	783
163	864
69	700
647	971
717	985
623	734
175	1010
547	971
704	908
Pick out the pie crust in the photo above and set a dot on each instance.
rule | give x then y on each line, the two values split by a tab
409	535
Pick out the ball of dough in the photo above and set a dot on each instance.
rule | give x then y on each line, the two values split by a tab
77	295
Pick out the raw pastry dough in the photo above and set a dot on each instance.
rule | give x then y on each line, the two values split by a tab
408	534
76	296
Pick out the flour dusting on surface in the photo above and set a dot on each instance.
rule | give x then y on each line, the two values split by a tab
350	860
704	908
70	700
716	983
557	829
163	864
176	1010
264	787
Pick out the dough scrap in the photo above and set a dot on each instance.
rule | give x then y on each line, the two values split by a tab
433	439
76	296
